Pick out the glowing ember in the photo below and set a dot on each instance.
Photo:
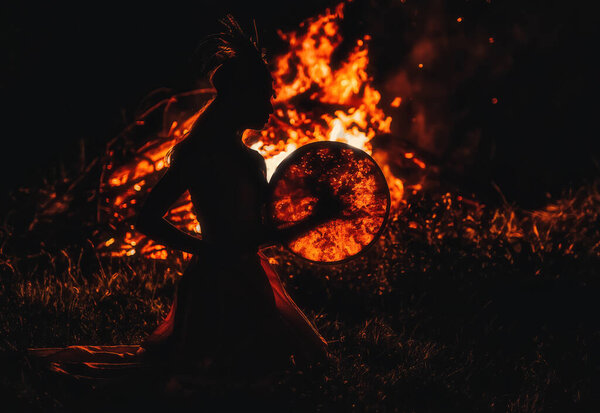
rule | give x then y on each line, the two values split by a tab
343	107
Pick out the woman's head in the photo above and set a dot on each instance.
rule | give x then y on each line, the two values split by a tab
241	77
246	88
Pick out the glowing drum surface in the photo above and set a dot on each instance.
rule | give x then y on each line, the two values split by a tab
339	179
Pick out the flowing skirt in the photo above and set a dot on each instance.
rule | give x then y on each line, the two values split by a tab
230	315
233	313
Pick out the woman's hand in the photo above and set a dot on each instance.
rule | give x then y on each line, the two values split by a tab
327	208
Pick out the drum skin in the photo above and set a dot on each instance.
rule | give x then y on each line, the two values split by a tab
345	179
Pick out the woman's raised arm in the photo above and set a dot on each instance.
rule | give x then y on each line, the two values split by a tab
151	221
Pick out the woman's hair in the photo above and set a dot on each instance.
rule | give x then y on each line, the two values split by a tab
233	59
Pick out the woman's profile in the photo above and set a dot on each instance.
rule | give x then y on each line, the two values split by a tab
230	314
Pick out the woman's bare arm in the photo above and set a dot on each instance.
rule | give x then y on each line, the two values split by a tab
151	221
327	208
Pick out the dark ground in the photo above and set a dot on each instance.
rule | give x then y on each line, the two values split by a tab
456	313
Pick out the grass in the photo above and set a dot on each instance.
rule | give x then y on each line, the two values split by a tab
460	307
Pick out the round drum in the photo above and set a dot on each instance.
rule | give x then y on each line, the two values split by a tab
329	201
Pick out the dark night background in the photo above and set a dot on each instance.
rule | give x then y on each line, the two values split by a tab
73	72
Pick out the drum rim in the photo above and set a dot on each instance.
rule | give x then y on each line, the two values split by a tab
328	144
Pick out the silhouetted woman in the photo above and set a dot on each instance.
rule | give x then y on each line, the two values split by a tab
230	313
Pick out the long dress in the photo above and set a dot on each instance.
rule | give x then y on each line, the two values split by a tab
231	311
